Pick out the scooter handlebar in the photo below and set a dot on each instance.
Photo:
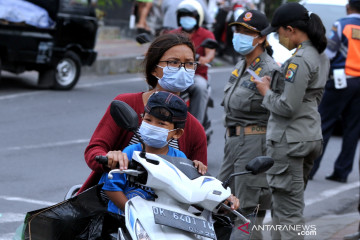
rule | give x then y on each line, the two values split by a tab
242	217
102	159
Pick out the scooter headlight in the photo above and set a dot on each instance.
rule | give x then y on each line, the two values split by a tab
140	231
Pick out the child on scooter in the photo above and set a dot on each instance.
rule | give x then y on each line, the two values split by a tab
164	119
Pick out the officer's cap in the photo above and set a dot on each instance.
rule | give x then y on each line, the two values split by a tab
253	20
286	14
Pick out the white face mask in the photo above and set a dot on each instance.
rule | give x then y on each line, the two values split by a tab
243	43
154	136
187	22
176	80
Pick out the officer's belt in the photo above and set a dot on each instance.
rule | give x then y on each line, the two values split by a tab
248	130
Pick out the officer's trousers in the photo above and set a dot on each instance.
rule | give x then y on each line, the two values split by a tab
292	162
250	189
344	103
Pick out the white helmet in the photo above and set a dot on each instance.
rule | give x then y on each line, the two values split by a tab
192	8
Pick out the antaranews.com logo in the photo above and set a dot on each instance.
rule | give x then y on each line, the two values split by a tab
303	230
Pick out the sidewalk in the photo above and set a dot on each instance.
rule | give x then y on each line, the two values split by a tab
123	56
116	56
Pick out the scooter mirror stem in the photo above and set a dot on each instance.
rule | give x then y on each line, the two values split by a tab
143	153
227	182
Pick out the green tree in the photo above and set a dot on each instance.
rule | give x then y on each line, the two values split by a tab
271	5
109	3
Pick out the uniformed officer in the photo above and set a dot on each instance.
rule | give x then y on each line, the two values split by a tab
342	91
294	138
245	118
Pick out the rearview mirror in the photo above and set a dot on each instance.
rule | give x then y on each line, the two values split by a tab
259	164
209	43
255	166
143	38
124	116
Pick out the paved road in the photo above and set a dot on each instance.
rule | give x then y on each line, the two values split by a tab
44	134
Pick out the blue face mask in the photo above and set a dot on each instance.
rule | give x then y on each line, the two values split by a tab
175	80
154	136
243	43
187	22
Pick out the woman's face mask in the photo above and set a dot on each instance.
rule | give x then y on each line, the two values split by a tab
154	136
176	80
243	43
187	22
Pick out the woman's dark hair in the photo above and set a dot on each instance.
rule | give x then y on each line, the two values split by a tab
315	30
157	49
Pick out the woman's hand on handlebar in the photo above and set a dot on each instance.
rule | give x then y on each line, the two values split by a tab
233	202
200	167
117	158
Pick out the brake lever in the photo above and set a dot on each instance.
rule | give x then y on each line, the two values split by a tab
244	219
131	172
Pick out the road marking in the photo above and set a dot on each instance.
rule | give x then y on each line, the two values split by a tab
17	95
11	217
110	82
331	192
27	200
322	196
46	145
96	84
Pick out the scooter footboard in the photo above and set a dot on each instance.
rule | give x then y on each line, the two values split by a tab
165	222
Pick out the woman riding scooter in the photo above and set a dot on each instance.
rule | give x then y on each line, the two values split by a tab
108	139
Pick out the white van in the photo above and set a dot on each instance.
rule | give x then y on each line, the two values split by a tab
328	10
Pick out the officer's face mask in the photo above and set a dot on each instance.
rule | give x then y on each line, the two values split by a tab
243	43
285	41
176	80
154	136
187	22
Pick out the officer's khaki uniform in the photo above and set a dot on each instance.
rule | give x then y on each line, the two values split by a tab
294	136
245	122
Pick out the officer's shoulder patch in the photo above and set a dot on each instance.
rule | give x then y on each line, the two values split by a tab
235	72
290	72
255	62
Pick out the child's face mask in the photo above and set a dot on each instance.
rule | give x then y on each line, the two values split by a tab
154	136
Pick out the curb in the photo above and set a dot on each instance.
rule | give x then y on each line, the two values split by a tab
115	65
128	64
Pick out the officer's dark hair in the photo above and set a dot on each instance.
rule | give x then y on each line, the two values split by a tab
157	49
269	49
315	30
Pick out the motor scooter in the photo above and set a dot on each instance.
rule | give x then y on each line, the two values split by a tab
177	186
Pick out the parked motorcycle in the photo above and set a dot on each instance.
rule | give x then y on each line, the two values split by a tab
177	185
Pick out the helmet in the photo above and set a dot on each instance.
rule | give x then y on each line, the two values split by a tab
192	8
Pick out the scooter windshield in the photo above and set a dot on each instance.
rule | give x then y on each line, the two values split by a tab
184	165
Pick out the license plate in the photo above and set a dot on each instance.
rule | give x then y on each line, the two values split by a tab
184	222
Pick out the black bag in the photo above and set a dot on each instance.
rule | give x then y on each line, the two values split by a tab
82	217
